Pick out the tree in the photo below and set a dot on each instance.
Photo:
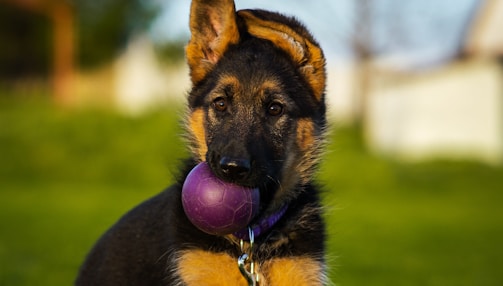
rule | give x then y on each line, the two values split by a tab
377	26
106	26
25	47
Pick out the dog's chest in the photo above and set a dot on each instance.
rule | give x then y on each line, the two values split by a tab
199	267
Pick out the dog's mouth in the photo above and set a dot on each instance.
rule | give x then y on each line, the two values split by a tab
234	169
247	173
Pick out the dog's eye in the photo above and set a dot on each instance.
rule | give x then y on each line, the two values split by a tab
220	104
275	109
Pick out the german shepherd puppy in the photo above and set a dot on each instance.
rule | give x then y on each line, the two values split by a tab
256	115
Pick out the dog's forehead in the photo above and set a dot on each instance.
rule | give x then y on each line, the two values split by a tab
255	70
260	87
250	93
258	58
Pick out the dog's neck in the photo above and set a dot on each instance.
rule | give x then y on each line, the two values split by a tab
262	225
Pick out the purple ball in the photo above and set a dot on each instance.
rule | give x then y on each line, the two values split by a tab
215	206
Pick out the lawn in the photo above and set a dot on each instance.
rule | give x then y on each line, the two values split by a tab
67	175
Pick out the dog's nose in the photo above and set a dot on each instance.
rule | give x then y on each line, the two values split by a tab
235	169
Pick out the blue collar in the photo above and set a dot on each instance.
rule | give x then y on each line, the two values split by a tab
262	225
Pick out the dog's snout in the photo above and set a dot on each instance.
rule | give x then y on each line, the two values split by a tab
235	169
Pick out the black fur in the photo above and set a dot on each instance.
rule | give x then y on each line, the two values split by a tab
140	248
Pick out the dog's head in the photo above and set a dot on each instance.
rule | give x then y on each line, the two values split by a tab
256	108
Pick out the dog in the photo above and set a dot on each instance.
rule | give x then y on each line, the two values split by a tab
256	116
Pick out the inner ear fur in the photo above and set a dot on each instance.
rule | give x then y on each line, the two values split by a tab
213	28
305	52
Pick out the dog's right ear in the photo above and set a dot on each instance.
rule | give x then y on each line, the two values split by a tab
213	28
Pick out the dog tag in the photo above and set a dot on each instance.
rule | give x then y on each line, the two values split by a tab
244	260
250	276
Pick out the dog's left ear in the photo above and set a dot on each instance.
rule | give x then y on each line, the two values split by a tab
294	39
213	28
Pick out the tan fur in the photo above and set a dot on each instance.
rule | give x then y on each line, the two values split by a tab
203	268
270	85
213	28
196	128
230	80
293	271
308	143
311	142
307	55
305	134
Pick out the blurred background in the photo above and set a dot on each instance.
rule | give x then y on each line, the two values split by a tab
92	92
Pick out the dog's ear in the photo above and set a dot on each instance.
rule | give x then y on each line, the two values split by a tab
298	43
213	28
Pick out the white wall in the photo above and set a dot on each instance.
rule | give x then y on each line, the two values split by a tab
454	112
142	83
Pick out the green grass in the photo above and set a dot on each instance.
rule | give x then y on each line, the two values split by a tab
435	223
66	176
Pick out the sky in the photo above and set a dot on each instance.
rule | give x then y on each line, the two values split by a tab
412	33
